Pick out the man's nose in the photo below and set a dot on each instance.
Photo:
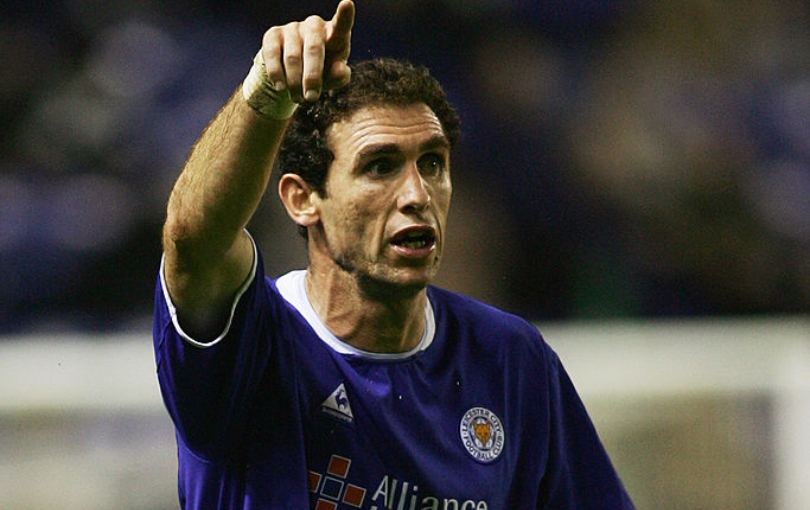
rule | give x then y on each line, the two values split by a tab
414	193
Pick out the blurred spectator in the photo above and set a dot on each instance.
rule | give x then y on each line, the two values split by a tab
619	158
663	141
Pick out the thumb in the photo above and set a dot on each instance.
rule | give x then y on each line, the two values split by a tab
338	75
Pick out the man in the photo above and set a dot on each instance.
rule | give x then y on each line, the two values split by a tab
353	384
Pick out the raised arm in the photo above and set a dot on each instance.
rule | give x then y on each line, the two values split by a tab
207	254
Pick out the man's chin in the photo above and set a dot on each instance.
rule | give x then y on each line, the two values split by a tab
399	285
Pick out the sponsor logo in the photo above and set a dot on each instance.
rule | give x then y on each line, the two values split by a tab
331	488
337	405
482	434
332	491
393	494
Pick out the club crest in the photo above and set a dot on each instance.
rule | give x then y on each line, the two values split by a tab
482	434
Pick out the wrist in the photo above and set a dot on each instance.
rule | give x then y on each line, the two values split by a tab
260	95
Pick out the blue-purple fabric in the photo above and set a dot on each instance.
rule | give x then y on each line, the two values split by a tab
271	417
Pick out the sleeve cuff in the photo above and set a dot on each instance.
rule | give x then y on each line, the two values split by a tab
173	310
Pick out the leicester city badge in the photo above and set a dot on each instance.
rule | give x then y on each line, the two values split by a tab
482	434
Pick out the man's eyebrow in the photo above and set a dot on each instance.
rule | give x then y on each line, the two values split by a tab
434	142
378	149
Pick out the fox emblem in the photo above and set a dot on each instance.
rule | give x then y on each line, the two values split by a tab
483	431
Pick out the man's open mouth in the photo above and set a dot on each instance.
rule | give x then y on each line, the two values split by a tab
415	238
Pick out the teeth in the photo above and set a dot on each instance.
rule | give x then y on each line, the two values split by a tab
415	239
415	243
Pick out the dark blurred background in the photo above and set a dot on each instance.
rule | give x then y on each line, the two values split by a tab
620	158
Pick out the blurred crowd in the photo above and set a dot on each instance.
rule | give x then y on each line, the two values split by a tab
620	158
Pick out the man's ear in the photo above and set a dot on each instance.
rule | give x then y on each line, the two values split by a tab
297	197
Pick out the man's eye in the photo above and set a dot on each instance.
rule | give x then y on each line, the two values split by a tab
431	164
379	167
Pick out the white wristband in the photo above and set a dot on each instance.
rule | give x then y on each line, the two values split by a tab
260	95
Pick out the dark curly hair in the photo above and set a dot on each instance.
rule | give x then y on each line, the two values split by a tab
378	82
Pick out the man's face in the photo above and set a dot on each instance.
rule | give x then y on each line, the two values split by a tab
387	195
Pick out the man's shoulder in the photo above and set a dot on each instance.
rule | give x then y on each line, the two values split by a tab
469	311
480	331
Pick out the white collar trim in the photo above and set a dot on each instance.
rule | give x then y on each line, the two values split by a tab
293	289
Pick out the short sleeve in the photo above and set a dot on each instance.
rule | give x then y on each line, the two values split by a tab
579	475
207	387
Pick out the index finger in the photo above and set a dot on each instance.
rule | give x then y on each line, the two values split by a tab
339	31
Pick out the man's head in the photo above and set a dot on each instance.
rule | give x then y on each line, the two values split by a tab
366	175
379	82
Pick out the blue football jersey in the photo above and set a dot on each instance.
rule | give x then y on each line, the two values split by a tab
277	413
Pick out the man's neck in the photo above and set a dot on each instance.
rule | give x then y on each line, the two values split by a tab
381	322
